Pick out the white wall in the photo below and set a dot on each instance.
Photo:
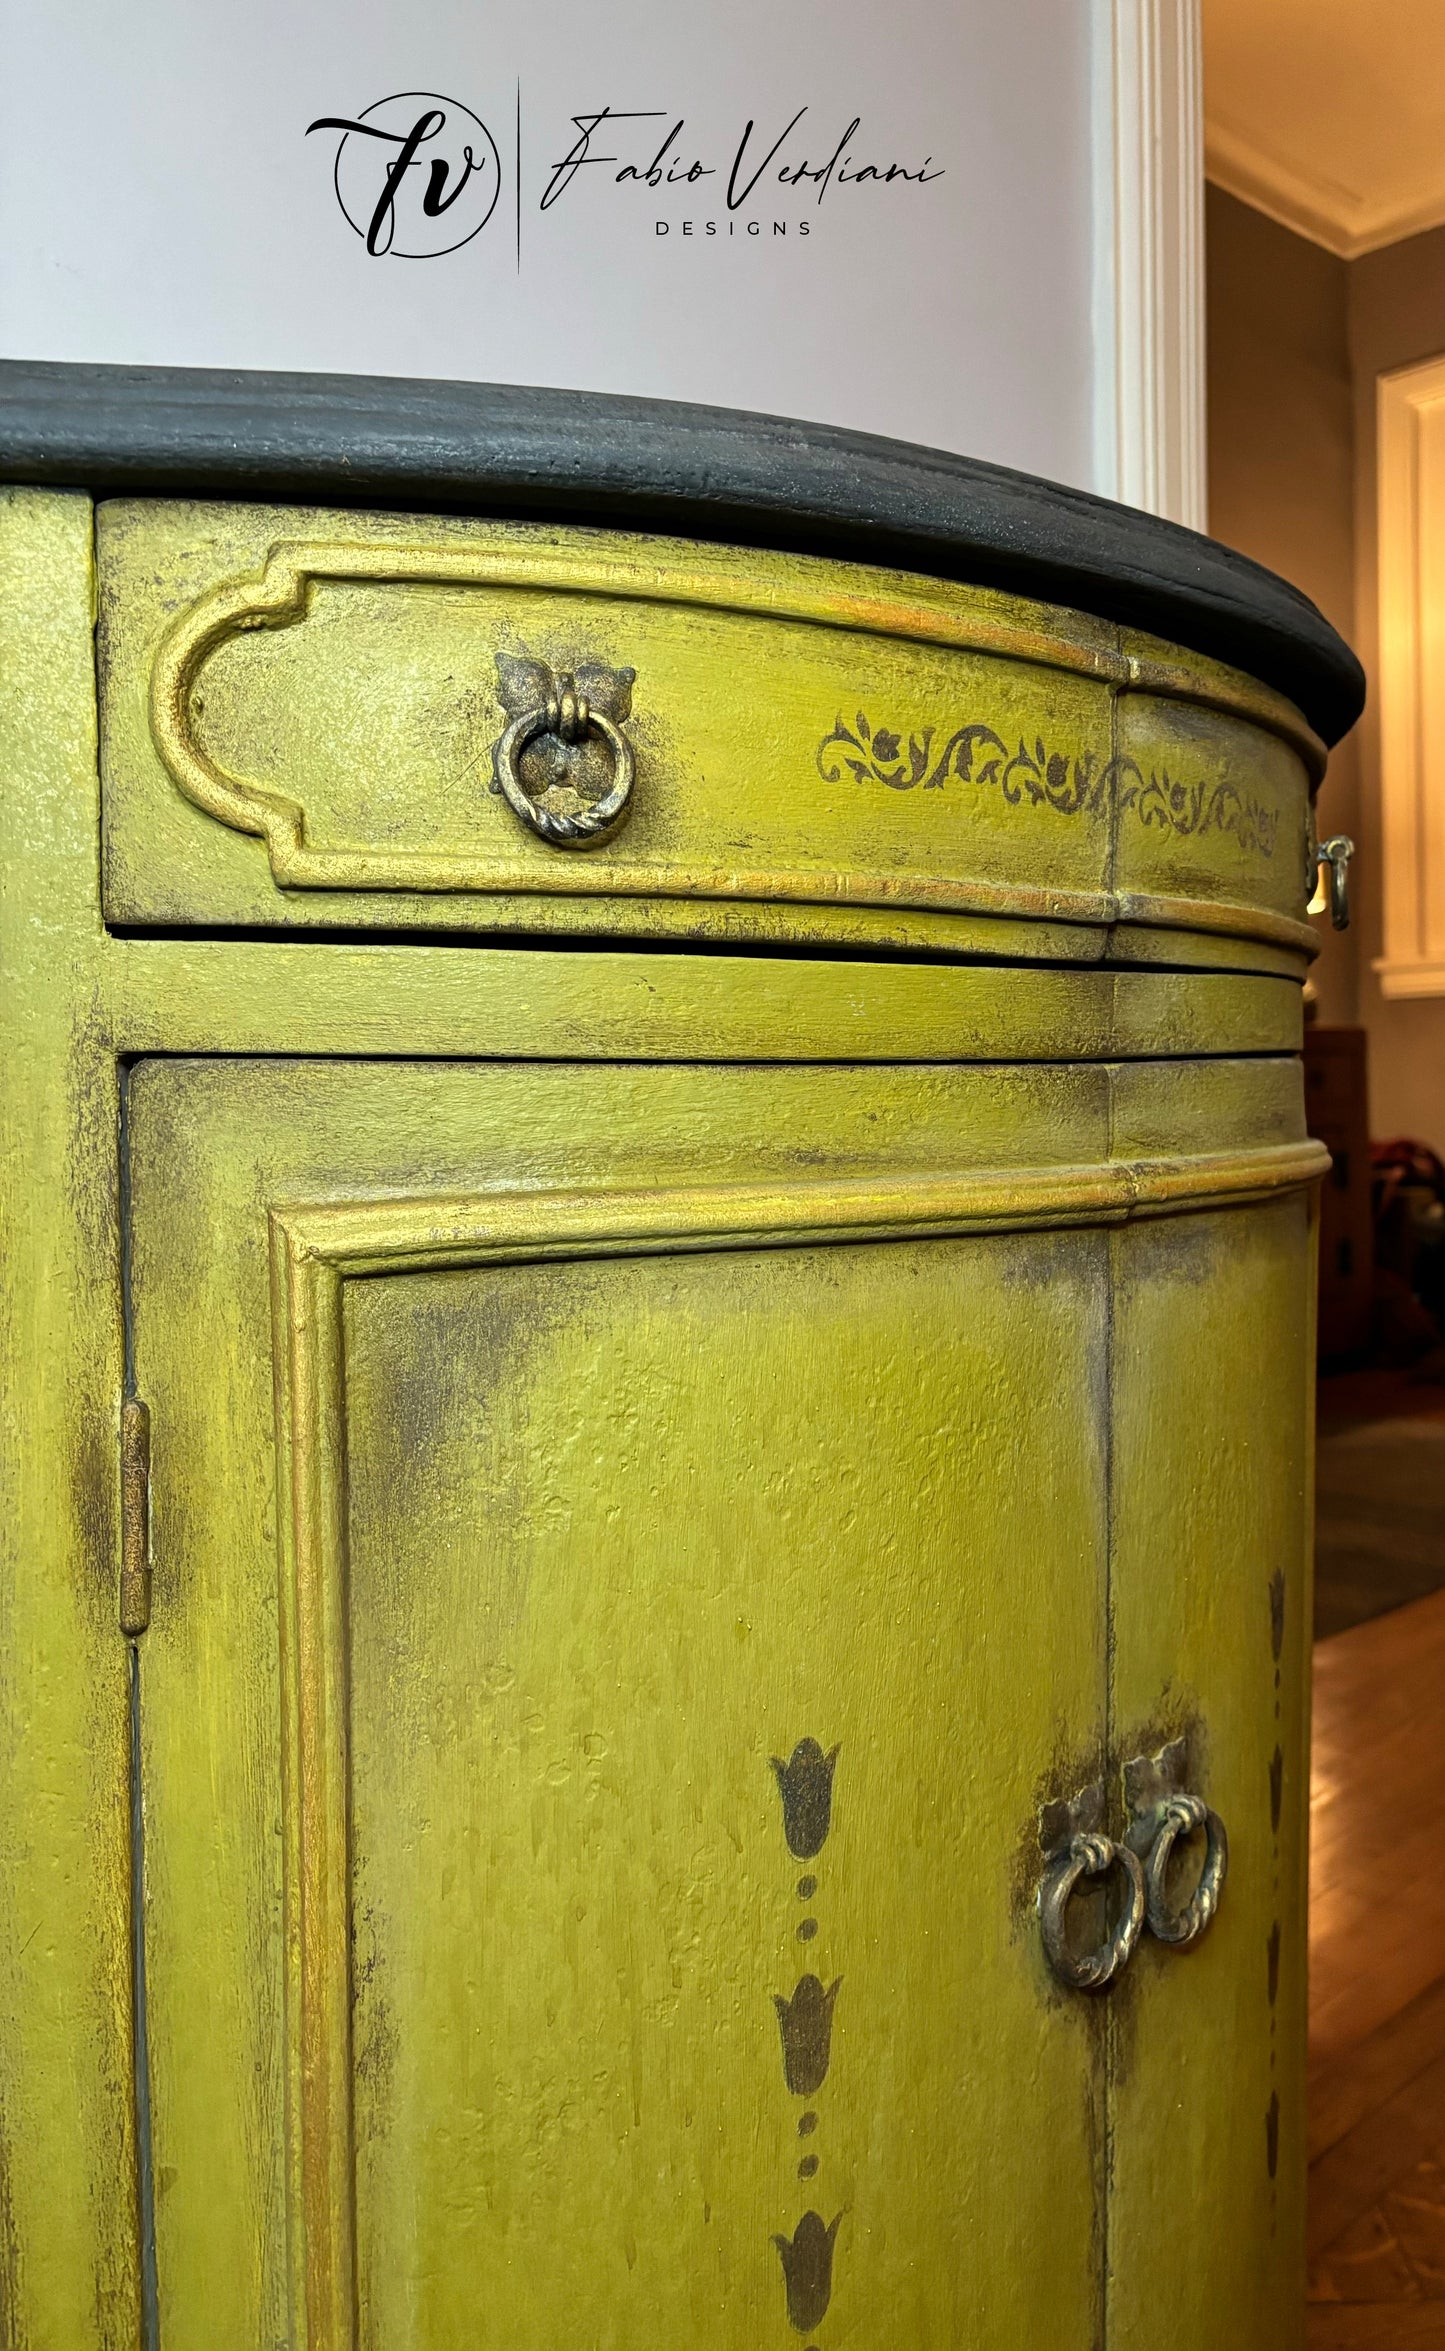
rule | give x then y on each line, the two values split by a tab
160	202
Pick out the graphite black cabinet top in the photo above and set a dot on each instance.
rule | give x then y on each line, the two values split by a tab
694	472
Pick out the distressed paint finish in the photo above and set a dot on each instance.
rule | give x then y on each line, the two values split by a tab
68	2270
819	747
586	1625
1210	1513
462	1283
496	1430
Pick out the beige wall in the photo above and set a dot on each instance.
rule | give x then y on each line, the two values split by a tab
1281	461
1397	314
1296	341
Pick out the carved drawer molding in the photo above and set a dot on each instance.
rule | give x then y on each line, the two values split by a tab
804	733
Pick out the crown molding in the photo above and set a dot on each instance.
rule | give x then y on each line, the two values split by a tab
1314	206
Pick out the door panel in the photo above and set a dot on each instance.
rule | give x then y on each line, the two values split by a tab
619	1534
1213	1341
473	1887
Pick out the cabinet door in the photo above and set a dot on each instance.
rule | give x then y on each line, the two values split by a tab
1210	1588
593	1905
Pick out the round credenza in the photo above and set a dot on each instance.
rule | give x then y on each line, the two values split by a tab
658	1333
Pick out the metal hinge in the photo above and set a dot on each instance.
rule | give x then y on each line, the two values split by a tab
135	1516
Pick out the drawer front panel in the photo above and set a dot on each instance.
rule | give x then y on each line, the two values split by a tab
300	709
1221	816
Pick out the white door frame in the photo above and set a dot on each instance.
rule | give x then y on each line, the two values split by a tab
1148	136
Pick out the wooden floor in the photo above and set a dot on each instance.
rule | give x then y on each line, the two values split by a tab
1380	1505
1377	2000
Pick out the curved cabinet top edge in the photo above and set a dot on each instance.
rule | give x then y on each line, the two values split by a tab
691	471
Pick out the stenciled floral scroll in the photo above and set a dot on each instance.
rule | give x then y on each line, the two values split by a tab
977	754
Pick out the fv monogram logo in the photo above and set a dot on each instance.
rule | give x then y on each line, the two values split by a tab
416	175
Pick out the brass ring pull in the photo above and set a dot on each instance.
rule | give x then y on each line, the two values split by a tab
560	707
1089	1855
1185	1816
1335	853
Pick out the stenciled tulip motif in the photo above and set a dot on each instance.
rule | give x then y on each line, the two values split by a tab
805	1783
806	2024
807	2258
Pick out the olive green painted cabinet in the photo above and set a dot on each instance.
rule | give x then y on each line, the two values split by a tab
657	1477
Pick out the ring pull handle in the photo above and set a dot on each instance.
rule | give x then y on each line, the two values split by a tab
1185	1816
1334	893
1088	1856
1164	1813
564	714
1078	1853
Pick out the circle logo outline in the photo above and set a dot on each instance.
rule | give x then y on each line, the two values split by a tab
451	106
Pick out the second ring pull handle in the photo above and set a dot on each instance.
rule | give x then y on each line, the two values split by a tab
1335	853
1164	1814
1184	1816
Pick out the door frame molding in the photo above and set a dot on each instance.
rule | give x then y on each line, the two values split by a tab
1148	142
1410	410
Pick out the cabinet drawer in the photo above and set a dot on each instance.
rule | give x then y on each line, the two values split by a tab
300	714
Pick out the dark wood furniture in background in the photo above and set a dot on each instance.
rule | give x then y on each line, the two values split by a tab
1337	1111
